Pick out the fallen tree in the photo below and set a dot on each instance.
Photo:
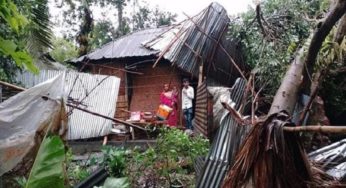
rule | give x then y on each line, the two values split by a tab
270	156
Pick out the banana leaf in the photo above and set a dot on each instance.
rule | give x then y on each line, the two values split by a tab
47	170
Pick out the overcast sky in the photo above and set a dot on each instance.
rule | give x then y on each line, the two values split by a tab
190	7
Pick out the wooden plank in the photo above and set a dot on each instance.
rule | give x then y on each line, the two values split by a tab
121	98
201	124
204	100
201	121
201	95
201	127
122	105
201	112
201	106
201	131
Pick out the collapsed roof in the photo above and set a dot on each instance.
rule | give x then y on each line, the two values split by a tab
195	41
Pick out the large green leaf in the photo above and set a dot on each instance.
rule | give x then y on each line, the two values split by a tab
47	170
23	58
9	12
7	47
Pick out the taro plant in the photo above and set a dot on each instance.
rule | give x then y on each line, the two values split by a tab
114	161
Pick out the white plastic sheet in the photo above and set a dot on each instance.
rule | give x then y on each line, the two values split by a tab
220	94
25	117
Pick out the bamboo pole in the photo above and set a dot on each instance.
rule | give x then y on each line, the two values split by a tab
11	86
106	117
317	128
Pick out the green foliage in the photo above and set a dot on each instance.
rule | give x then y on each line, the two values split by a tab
10	46
334	85
22	58
175	143
114	161
21	181
78	173
63	50
147	18
287	25
10	14
102	33
331	52
173	153
47	170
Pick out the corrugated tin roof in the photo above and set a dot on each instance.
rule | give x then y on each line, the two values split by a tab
187	45
99	94
225	145
192	43
127	46
332	159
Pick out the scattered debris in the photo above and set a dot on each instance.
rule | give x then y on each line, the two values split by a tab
227	141
332	159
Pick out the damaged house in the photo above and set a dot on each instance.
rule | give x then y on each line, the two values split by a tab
196	48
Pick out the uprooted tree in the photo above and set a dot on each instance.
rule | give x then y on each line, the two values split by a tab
271	156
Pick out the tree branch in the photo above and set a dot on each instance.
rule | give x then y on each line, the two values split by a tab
320	34
287	95
317	128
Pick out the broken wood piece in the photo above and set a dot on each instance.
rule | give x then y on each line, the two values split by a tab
235	114
317	128
105	139
125	110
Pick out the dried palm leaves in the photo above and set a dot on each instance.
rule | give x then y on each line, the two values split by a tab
271	157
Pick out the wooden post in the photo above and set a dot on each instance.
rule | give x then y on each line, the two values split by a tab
200	75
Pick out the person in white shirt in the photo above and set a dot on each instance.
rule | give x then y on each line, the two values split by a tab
186	100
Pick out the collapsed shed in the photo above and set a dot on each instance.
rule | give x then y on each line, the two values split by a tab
144	60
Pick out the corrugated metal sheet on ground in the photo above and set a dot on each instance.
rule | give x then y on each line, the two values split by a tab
187	45
127	46
332	159
225	144
99	94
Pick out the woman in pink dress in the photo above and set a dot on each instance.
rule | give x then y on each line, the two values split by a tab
169	97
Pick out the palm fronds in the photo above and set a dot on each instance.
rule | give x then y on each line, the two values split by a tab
39	33
271	158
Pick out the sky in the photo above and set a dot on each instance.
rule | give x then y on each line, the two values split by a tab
189	7
192	7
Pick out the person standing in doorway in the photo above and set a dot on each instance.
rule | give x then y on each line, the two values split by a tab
186	100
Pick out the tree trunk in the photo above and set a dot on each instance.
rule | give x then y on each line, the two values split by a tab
287	95
341	30
320	33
